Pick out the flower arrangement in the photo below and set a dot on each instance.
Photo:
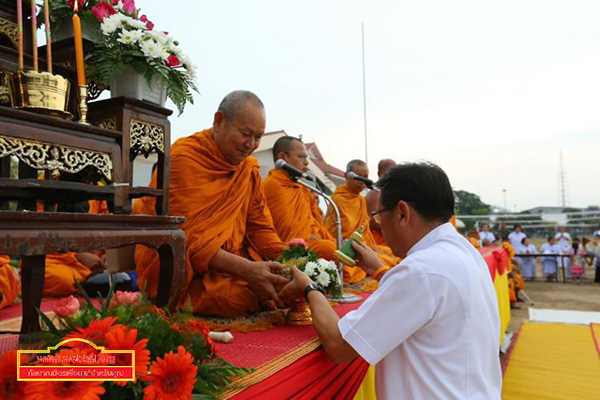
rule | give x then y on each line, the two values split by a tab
126	38
174	354
322	271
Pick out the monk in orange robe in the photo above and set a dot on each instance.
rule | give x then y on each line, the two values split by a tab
61	268
10	286
353	211
294	209
372	198
216	186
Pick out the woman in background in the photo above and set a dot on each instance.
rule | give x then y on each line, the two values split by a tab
527	263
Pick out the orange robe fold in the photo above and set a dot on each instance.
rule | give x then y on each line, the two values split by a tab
61	268
296	213
225	208
353	211
10	286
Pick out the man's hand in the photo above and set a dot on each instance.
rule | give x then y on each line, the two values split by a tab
92	261
366	258
265	283
295	289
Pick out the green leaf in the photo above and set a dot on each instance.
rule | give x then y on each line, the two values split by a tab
109	296
84	294
47	321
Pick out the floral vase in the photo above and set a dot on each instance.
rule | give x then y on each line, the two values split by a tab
131	84
300	314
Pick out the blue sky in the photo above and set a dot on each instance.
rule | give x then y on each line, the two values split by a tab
491	91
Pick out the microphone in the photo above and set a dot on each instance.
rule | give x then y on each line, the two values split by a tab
366	181
295	173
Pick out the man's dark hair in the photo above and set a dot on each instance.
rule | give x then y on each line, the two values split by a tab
355	163
517	226
235	101
282	145
424	185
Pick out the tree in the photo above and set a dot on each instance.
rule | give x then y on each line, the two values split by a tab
470	204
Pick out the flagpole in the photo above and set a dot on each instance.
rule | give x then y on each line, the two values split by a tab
364	90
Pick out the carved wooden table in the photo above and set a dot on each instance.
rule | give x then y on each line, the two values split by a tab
145	129
32	235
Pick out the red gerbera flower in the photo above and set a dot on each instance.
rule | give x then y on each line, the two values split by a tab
10	388
95	332
172	377
123	338
65	390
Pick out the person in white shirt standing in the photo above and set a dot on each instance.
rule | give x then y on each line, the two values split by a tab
563	238
432	328
516	236
486	237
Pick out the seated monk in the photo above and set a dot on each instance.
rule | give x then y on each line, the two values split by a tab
61	268
216	186
353	211
10	286
372	198
294	209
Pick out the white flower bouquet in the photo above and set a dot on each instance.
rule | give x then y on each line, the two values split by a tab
325	273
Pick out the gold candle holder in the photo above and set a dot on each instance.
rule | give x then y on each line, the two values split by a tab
83	109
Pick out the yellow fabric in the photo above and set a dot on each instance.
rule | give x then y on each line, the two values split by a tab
296	213
366	391
501	286
353	212
225	208
10	286
553	361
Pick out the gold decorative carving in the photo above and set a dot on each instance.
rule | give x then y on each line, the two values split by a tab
57	159
5	88
146	138
110	123
10	30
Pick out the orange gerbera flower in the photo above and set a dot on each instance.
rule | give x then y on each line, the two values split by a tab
10	388
200	327
95	332
172	377
123	338
65	390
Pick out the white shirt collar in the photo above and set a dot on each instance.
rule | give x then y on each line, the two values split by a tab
433	236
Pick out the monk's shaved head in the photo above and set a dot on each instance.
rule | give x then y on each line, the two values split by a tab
282	145
355	163
234	103
384	165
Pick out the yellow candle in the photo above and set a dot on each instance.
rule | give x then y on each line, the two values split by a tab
78	48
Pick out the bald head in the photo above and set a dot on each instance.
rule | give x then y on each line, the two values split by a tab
234	103
384	165
359	167
354	164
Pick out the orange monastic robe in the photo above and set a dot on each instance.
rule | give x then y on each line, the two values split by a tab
378	236
296	213
225	208
61	268
10	287
353	210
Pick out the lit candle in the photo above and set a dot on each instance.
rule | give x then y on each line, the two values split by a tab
20	25
48	35
34	34
78	48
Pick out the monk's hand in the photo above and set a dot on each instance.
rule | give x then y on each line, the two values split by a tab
265	283
295	289
92	261
366	258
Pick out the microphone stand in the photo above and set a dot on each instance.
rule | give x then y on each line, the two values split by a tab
345	297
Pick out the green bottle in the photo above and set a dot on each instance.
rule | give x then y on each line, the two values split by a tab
347	254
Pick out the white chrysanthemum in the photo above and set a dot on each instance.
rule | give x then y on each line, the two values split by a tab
110	24
323	279
152	49
189	67
136	23
311	268
327	265
128	37
157	36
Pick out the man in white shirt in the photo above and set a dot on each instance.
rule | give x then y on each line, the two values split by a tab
432	327
486	237
516	236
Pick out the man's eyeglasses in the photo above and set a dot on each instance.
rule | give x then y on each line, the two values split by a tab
377	214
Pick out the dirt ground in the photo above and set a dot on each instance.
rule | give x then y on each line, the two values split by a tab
556	296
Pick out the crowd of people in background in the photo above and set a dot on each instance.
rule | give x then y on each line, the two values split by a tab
558	252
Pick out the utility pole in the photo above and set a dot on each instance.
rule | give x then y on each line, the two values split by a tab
364	90
562	182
